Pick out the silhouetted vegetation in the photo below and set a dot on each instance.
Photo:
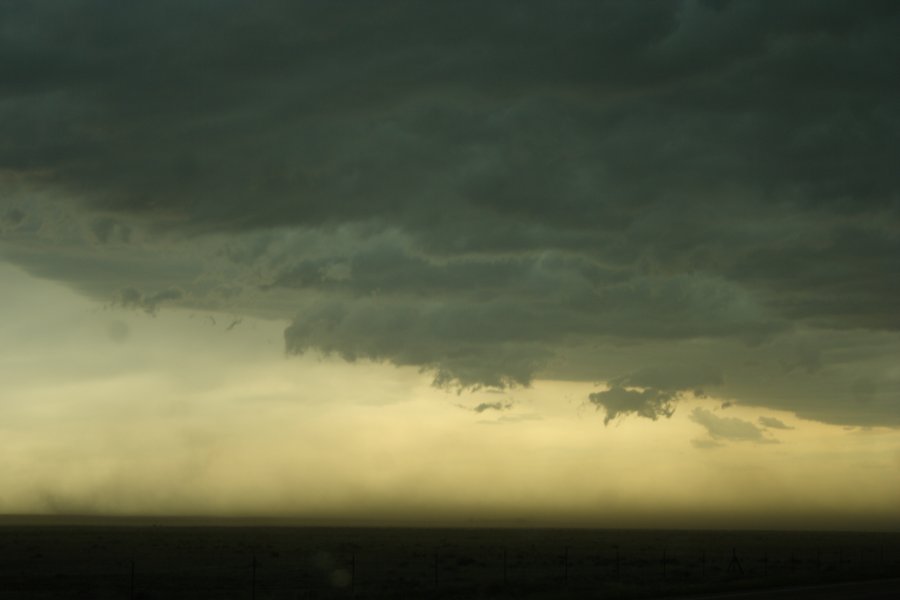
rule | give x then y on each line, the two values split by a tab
293	562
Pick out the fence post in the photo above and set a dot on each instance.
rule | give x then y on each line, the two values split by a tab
435	568
253	578
735	563
504	567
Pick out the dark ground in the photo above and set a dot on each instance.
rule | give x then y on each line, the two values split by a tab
154	562
879	589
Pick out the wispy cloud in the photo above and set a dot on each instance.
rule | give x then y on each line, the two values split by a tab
773	423
728	428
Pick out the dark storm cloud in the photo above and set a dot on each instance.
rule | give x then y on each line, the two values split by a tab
673	376
13	218
320	112
107	230
149	303
492	320
468	343
480	188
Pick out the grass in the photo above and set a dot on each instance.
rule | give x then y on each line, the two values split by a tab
293	562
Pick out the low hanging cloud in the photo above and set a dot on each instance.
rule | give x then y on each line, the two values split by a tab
619	401
773	423
485	406
674	376
149	303
670	197
653	392
728	428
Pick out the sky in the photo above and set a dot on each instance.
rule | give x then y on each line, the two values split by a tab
605	263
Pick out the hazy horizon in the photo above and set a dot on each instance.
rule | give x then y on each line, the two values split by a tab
589	264
786	524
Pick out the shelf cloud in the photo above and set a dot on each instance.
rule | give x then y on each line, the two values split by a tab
673	198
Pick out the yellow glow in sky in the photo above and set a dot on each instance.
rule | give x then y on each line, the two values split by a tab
106	411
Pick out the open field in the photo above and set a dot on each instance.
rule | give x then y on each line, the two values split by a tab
103	561
876	589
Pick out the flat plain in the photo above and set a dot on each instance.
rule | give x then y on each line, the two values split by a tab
183	561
